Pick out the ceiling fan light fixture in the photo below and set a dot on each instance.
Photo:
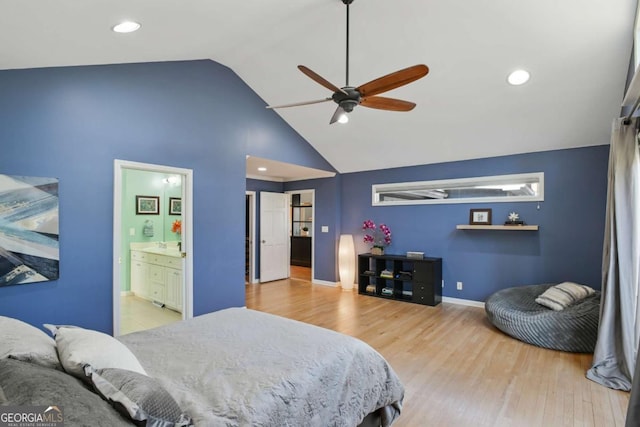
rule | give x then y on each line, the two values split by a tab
348	97
126	27
518	77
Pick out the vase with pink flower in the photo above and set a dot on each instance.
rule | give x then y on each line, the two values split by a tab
176	227
377	236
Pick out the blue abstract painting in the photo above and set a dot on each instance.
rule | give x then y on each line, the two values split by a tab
29	250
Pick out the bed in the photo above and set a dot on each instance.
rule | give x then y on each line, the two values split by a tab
234	367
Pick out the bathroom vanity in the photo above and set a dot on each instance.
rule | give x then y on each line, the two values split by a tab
156	275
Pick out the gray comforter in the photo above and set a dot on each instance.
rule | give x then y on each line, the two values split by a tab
239	367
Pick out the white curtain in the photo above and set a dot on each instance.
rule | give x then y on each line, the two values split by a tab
618	333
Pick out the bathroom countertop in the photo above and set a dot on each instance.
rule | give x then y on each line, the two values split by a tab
163	251
153	248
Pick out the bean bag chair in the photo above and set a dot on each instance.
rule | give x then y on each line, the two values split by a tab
515	312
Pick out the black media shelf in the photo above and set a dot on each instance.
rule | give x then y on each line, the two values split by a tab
420	283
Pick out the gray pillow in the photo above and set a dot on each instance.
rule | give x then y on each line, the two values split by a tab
78	347
139	396
21	341
24	383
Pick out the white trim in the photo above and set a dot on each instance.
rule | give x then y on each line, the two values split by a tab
252	236
325	283
187	224
460	301
266	178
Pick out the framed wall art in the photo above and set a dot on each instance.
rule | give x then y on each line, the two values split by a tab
480	217
147	205
29	249
175	206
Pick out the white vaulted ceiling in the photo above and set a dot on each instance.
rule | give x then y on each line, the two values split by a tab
577	52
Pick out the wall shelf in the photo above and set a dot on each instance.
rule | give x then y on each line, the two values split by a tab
498	227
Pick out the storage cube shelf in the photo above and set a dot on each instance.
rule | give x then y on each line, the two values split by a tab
400	278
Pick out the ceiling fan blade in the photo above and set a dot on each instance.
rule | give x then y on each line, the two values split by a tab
339	111
296	104
320	80
382	103
393	80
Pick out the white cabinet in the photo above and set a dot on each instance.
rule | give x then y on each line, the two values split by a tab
157	278
173	298
139	274
157	282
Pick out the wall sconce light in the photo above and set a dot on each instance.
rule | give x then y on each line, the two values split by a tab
172	180
346	261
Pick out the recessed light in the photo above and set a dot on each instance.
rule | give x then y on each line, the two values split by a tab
262	169
518	77
126	27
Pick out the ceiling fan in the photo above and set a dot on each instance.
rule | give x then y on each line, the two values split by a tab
348	97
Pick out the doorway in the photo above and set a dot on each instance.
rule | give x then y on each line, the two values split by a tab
302	232
152	248
253	219
250	236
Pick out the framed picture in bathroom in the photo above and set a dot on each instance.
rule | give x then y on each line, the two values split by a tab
147	205
175	206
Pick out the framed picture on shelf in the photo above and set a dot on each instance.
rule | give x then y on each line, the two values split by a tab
175	206
147	205
480	217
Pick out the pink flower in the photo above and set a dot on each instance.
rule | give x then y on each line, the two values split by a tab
379	236
368	225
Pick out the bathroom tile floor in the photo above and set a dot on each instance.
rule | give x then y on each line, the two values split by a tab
138	314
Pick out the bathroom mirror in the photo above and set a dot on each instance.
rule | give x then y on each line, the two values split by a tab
525	187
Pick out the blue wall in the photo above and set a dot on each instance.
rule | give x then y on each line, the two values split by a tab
72	122
568	245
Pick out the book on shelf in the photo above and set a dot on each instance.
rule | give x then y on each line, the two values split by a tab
386	274
369	273
387	291
407	293
371	289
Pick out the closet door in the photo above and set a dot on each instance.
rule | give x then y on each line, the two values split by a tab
274	236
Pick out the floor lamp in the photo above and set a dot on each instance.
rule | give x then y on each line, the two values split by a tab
346	261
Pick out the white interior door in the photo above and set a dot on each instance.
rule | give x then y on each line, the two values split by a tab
274	236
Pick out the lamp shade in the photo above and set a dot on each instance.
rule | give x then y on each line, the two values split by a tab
346	261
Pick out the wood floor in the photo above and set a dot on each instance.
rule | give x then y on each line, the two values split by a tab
300	273
457	369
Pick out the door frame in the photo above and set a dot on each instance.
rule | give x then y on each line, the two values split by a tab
313	236
187	241
252	237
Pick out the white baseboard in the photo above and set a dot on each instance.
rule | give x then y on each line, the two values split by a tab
324	283
126	293
460	301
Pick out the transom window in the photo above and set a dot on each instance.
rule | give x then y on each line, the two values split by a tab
527	187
